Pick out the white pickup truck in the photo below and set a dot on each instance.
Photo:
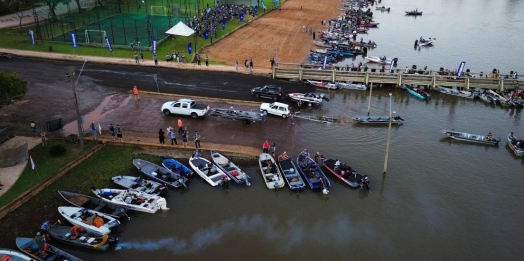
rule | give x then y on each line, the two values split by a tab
185	107
276	108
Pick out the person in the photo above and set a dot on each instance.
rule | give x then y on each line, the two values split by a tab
197	139
44	230
155	58
305	152
318	156
76	231
416	43
161	136
197	154
223	180
292	116
135	92
135	55
489	137
337	163
44	138
93	129
236	65
207	60
197	56
112	131
273	149
142	55
180	125
168	58
265	147
283	156
40	241
34	129
118	131
172	136
184	137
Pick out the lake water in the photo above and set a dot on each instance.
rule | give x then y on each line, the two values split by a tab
440	199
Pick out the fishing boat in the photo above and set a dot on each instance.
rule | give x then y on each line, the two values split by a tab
322	44
27	245
160	174
378	120
325	85
230	168
270	172
85	239
176	167
418	92
383	8
475	138
140	184
352	86
381	60
370	24
499	98
346	174
516	145
208	171
455	92
92	221
238	115
313	175
291	174
311	99
96	204
317	118
132	199
424	42
413	12
340	52
12	255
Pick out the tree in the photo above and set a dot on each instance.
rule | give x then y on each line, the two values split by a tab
52	5
12	88
18	7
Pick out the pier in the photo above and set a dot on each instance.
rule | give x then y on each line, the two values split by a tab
398	78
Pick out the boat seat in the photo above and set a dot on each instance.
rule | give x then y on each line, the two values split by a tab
230	168
296	183
91	240
291	175
82	238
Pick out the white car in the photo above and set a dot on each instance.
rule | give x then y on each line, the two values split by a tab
276	108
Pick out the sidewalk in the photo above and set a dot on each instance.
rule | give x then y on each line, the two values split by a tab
12	20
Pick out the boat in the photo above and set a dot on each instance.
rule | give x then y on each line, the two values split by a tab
475	138
86	219
487	98
413	12
208	171
454	92
12	255
176	167
140	184
132	199
418	92
370	24
160	174
381	60
516	145
499	98
238	115
317	118
423	42
325	85
313	175
97	204
383	8
230	168
291	174
347	174
311	99
270	172
352	86
322	44
377	120
85	239
340	52
27	245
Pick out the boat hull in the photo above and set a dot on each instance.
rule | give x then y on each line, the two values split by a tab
160	174
414	91
97	204
137	183
134	200
353	179
85	218
207	171
473	138
14	255
85	240
378	120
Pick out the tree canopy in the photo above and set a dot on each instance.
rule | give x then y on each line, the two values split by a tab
12	88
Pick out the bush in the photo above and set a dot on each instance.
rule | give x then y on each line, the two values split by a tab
57	150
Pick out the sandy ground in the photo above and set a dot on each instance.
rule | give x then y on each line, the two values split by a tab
8	176
279	32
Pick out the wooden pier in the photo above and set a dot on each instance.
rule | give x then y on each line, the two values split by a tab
428	78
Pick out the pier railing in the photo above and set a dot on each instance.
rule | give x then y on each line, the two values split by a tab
427	78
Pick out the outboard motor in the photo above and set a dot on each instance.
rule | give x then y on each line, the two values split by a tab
365	182
323	97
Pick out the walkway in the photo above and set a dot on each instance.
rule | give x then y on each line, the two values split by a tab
12	20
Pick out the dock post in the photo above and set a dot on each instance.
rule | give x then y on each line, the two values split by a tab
274	71
366	78
501	84
300	73
333	76
467	83
434	81
399	79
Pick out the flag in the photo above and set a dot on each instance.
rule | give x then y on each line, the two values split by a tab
224	25
206	34
99	128
263	5
461	68
154	46
32	34
33	166
108	43
189	49
325	61
73	39
241	17
255	10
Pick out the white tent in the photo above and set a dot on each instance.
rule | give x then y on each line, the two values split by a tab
181	29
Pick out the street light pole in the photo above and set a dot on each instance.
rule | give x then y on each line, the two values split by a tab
73	86
389	135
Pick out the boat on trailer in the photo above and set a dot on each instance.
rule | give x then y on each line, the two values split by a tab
325	85
291	174
96	204
231	169
270	172
311	99
516	145
378	120
347	174
12	255
85	239
469	137
243	116
27	244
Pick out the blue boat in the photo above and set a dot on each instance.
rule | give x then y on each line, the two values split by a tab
314	176
176	167
418	92
340	52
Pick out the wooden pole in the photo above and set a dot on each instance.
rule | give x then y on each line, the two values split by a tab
389	135
369	101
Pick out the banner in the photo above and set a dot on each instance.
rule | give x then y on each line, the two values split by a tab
153	48
275	2
99	128
190	48
73	39
241	17
109	45
325	61
33	166
255	10
263	5
206	34
391	66
461	68
223	25
32	34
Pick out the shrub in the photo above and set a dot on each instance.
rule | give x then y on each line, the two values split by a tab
57	150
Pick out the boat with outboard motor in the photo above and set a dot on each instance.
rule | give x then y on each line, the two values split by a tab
238	115
425	42
132	199
84	239
160	174
475	138
325	85
51	253
176	167
97	204
417	92
270	172
352	86
383	8
377	120
290	173
12	255
413	12
318	118
92	221
208	171
499	98
455	92
311	99
347	174
140	184
381	60
312	173
231	169
516	145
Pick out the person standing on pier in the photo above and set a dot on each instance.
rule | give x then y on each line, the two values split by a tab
161	136
197	139
265	147
180	125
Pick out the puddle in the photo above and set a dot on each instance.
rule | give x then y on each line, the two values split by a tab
94	116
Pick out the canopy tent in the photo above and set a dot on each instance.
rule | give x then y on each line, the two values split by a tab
181	29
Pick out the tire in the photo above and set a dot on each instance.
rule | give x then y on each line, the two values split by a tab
194	115
284	116
257	95
167	112
264	111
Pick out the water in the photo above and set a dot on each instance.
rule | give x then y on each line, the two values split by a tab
441	199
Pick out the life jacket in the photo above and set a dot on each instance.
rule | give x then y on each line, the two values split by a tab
6	258
98	222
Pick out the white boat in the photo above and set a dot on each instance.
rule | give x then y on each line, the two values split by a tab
516	145
12	255
500	99
377	120
311	99
230	168
208	171
325	85
270	172
454	92
381	60
475	138
132	199
86	218
425	42
352	86
140	184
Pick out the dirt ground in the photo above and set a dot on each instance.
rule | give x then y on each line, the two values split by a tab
279	32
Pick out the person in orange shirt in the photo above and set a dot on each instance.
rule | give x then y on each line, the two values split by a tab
180	126
265	147
76	231
135	92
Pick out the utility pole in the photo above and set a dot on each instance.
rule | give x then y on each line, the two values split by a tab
389	135
78	118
